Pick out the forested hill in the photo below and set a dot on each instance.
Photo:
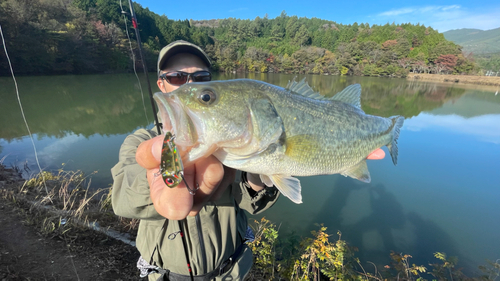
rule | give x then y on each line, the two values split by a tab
477	41
88	36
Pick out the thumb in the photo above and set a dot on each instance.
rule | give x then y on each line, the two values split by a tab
148	153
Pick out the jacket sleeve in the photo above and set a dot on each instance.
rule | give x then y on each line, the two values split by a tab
130	191
252	201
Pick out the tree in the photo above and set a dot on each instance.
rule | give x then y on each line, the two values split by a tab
302	36
277	33
88	36
402	48
466	65
446	62
389	44
84	4
443	48
404	62
256	27
292	26
108	11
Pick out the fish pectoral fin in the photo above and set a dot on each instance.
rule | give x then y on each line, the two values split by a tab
289	186
266	180
359	172
267	125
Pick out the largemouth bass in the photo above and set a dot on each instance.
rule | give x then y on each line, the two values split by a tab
277	132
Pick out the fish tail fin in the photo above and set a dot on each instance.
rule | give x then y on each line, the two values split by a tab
397	122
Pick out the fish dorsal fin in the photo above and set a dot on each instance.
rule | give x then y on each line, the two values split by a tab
351	95
303	89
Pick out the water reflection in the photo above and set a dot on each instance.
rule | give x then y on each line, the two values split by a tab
484	128
112	104
442	196
429	238
375	231
82	105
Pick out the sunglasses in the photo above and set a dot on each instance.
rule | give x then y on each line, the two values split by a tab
178	78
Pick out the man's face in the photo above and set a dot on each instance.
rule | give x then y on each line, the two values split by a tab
181	62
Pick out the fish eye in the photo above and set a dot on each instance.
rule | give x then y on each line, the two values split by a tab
207	97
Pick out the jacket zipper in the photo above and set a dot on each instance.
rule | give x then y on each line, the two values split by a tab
202	243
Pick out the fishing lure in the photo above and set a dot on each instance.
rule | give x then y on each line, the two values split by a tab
171	167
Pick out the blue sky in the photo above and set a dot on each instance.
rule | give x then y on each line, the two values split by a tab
441	15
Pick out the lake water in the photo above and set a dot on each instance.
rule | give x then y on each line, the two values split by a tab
444	195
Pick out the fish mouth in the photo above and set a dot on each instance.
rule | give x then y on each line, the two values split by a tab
175	119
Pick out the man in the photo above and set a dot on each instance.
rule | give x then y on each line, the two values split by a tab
216	225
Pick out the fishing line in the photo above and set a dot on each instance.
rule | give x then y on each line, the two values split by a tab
133	61
22	111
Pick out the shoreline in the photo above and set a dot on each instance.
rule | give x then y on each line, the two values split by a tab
442	78
457	79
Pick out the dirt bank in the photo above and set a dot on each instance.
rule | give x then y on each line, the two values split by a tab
33	248
461	79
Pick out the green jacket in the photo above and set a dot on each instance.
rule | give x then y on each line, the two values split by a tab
212	236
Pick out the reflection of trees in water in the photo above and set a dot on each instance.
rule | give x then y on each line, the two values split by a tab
86	105
386	215
383	96
384	228
111	104
431	238
406	98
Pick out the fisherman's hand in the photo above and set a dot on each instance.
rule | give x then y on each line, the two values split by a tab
376	155
177	203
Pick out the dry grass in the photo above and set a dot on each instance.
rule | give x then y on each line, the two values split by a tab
67	191
66	196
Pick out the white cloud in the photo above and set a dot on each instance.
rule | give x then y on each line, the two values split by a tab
397	12
451	7
59	148
418	10
485	127
442	18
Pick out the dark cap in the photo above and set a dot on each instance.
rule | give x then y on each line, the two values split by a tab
181	46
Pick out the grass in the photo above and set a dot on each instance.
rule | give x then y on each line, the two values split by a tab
319	258
64	198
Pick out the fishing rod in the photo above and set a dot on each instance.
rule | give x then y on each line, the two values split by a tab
139	44
158	128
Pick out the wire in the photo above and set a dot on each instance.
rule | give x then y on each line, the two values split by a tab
133	61
22	111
